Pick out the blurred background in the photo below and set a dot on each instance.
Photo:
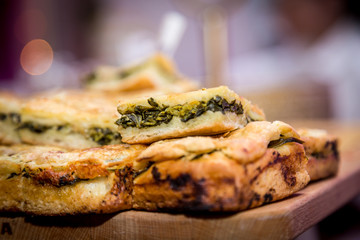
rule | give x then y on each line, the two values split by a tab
295	59
301	56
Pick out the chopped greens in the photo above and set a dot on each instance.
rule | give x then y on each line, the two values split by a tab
90	78
3	116
34	127
282	141
14	117
103	136
144	116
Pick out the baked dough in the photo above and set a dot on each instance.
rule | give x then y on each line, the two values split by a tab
9	118
45	180
69	118
260	163
156	72
233	173
204	112
322	151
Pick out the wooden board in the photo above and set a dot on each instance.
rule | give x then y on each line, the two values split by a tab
285	219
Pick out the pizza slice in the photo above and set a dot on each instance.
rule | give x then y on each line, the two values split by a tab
260	163
156	72
204	112
9	118
46	180
322	151
69	118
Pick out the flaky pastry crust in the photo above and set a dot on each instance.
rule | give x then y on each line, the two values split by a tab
322	151
54	181
203	173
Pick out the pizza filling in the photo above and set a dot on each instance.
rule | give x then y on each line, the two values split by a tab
281	141
329	149
15	118
125	73
144	116
102	136
59	178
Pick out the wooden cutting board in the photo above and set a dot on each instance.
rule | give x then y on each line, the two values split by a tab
284	219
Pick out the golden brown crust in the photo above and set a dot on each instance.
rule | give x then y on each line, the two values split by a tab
221	174
55	181
322	151
243	145
319	168
214	182
99	195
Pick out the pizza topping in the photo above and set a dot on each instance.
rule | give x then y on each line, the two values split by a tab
144	116
34	127
3	116
281	141
67	176
148	165
103	136
15	118
90	78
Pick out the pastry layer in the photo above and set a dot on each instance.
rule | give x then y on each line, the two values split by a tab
204	112
322	151
9	118
221	174
56	181
69	118
156	72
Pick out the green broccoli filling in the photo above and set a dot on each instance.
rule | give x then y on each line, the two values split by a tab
90	78
3	116
102	136
34	127
15	118
281	141
154	115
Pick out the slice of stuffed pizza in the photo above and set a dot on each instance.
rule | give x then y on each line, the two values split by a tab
258	164
46	180
204	112
9	118
322	151
156	72
69	118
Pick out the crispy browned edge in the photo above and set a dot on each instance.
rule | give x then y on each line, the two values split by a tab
216	183
27	187
118	198
324	163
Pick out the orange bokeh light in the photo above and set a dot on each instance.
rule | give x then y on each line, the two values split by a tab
36	57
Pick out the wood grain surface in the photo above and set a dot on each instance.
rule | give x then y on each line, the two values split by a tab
284	219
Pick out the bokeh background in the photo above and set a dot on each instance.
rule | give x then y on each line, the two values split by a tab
303	55
294	58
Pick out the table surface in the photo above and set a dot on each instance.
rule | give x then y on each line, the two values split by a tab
284	219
